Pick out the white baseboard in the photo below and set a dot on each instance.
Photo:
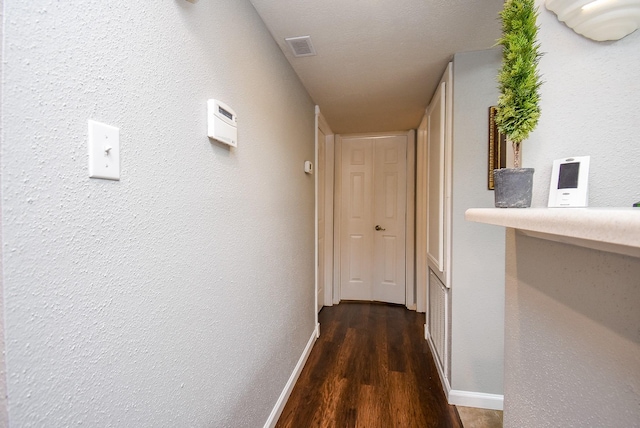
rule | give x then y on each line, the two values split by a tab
286	392
479	400
476	399
446	386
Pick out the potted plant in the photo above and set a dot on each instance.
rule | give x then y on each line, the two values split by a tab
519	101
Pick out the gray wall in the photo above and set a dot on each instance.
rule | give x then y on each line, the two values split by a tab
590	106
571	357
477	250
182	295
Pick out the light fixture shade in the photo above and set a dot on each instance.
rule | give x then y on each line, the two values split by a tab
598	19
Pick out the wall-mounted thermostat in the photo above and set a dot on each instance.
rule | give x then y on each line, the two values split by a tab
570	182
308	167
222	123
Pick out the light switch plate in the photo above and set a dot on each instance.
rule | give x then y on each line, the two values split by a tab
104	151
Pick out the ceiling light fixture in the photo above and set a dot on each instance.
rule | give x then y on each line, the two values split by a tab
594	4
599	20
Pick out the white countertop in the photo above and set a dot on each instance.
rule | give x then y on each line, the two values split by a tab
607	229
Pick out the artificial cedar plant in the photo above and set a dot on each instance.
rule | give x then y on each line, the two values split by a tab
518	79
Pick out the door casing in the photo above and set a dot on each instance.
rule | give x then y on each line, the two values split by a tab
324	202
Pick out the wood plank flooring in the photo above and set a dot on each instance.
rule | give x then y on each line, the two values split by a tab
371	367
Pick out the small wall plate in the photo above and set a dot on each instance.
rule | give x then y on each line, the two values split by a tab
104	151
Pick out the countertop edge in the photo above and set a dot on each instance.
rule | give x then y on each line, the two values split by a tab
616	226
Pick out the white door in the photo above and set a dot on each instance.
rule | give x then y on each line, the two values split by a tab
373	218
320	170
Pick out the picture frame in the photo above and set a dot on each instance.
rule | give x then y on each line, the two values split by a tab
497	147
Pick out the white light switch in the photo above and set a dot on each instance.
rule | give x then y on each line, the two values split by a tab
104	151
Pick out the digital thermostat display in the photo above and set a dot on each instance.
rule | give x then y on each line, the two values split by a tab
225	113
568	177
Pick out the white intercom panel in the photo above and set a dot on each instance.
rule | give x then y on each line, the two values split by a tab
222	123
570	182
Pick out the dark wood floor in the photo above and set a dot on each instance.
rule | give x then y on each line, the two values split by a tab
371	367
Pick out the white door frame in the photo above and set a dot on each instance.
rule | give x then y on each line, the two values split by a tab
322	125
421	215
410	301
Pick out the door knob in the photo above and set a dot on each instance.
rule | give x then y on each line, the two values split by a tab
379	228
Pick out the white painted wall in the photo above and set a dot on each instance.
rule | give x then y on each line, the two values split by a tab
590	106
183	294
572	351
572	341
477	281
3	374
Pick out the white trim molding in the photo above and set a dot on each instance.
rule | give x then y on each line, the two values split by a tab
446	386
325	171
476	399
286	392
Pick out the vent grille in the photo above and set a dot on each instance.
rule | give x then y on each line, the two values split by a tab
301	46
437	317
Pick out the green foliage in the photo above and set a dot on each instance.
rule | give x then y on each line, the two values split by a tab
519	82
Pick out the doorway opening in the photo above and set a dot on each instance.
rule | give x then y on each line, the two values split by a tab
365	217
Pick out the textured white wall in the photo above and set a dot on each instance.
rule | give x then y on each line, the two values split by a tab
477	250
590	106
572	342
181	295
3	378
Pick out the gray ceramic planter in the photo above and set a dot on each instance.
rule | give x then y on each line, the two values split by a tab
513	187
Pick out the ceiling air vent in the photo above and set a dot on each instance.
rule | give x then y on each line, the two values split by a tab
301	46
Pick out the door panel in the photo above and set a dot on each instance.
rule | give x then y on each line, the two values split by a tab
357	249
390	271
358	192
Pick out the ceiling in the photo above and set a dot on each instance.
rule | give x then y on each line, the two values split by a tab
378	61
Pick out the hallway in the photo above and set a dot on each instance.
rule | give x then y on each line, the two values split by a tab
371	367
